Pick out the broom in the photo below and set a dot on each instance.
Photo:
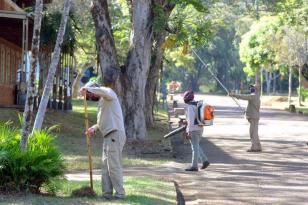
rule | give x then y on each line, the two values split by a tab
86	190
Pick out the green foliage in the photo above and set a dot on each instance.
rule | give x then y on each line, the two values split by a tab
22	170
191	26
294	13
49	31
160	18
255	48
197	4
303	93
121	27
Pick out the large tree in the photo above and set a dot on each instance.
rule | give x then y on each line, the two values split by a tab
144	58
131	86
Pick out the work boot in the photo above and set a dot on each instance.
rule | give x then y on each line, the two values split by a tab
192	169
118	196
254	150
107	196
205	165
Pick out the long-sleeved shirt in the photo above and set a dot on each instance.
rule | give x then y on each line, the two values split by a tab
253	107
109	116
191	115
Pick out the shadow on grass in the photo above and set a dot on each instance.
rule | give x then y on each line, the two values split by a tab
141	190
31	199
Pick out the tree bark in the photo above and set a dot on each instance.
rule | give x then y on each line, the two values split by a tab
268	78
258	77
28	111
299	85
275	82
136	69
290	86
132	82
156	66
53	67
153	77
104	37
76	82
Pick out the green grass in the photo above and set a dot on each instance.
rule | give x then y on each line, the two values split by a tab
72	141
139	191
302	109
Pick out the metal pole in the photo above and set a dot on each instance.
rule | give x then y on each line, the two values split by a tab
222	85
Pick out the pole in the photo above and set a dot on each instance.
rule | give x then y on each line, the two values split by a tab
88	139
222	85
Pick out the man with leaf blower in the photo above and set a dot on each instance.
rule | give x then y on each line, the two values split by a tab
111	125
194	132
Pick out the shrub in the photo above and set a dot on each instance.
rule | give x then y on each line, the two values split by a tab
303	94
41	163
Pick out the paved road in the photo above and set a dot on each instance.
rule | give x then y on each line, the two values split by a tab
278	175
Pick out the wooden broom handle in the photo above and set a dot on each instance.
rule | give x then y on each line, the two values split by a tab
88	139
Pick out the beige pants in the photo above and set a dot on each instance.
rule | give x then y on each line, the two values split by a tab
112	172
253	132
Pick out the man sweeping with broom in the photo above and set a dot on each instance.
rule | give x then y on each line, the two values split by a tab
111	125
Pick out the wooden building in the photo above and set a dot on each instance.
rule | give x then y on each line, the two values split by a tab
16	27
15	31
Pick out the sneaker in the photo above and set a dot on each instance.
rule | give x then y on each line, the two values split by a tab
191	169
205	165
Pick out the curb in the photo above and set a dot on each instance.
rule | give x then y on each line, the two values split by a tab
179	195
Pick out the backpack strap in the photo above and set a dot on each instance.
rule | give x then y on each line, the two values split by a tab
195	103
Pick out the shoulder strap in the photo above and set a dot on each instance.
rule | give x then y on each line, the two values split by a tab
195	103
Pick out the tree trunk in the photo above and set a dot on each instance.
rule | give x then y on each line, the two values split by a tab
299	85
268	78
76	82
258	77
137	68
155	67
28	111
290	86
53	67
104	37
275	82
261	81
153	77
131	87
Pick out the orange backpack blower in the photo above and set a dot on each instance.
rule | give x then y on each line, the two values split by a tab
205	114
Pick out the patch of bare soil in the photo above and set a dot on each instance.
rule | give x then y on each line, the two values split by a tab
84	191
148	148
274	100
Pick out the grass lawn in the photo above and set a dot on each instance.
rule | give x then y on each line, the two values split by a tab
72	142
302	109
140	191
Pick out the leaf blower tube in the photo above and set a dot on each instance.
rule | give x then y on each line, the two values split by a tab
220	83
176	131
